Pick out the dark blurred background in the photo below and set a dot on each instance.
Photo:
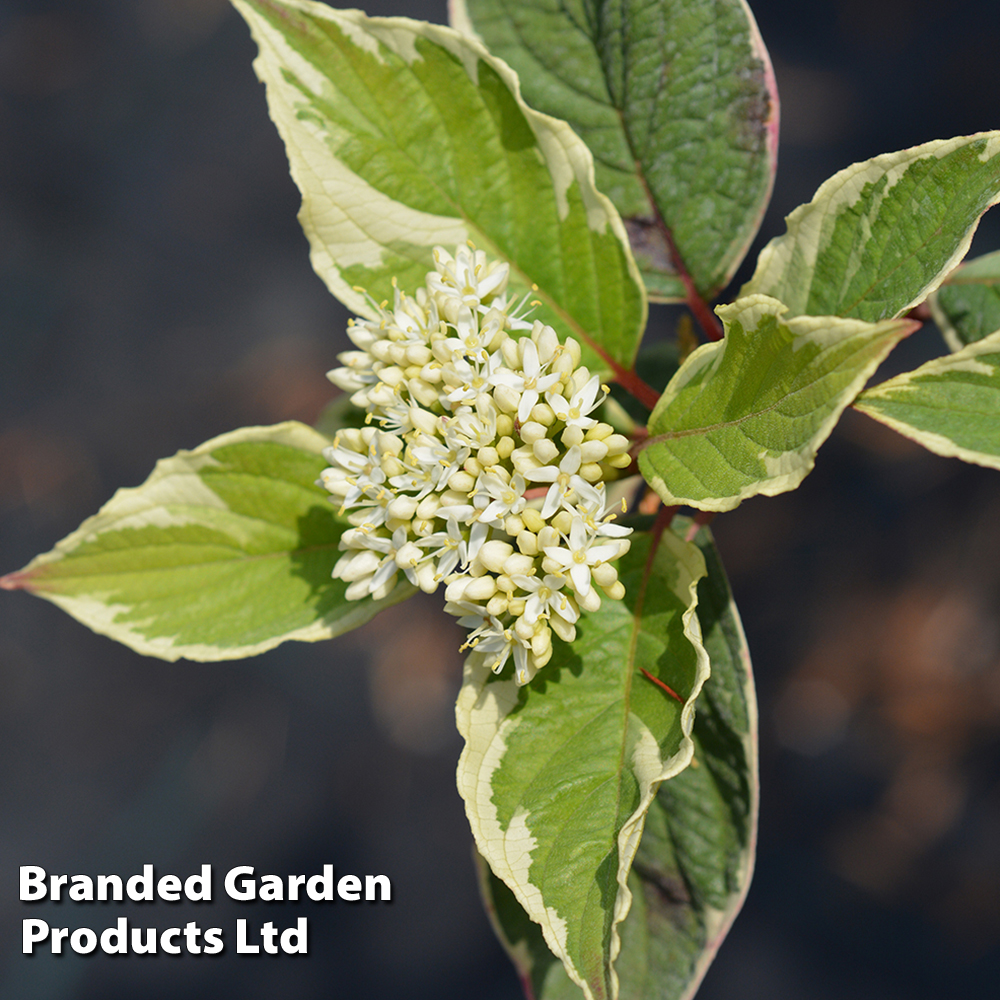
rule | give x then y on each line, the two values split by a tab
156	291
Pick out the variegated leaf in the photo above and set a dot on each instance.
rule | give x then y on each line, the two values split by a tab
224	552
693	866
880	236
558	776
402	135
950	405
677	101
966	306
747	414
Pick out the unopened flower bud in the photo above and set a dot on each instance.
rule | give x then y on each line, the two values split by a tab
518	565
481	589
532	431
493	553
527	543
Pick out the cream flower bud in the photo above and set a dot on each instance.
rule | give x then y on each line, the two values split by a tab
505	447
541	642
523	630
599	432
488	456
418	354
513	525
402	507
518	564
617	444
461	482
493	554
527	543
506	398
391	375
480	589
532	431
542	413
545	450
392	466
533	521
408	556
593	451
428	507
511	355
562	628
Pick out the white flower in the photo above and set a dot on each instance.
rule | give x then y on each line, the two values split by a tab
563	477
467	276
574	413
545	598
591	504
530	381
446	547
580	554
507	495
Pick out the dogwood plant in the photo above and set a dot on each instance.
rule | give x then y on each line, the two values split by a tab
496	202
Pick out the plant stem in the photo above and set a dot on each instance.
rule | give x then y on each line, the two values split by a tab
634	385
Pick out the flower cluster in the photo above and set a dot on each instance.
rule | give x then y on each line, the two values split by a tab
480	464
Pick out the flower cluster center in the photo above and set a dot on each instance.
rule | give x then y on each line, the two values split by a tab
480	466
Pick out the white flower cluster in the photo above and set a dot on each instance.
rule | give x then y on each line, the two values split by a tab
481	465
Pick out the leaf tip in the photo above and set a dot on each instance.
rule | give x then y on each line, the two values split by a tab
19	580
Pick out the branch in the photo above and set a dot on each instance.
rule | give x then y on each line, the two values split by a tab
634	385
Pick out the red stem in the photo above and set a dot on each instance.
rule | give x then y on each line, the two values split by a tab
707	319
634	385
659	683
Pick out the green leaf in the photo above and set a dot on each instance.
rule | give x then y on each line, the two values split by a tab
557	776
747	414
693	866
950	405
966	307
677	101
403	135
880	236
224	552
